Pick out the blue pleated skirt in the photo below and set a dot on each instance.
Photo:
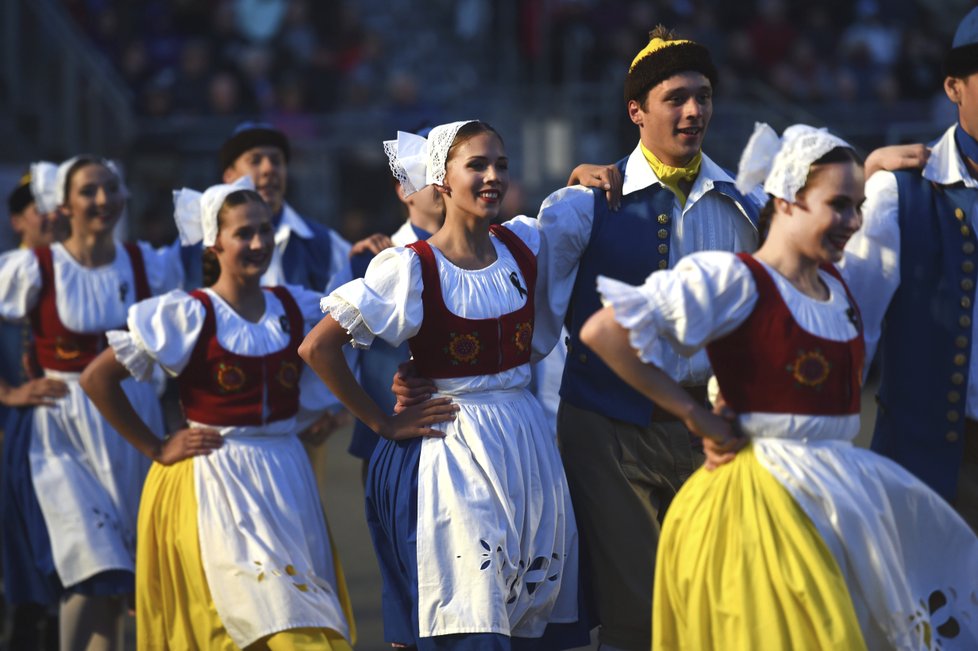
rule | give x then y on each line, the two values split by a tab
392	517
29	574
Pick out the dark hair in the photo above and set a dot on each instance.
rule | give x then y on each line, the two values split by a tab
21	197
834	155
468	132
81	161
210	266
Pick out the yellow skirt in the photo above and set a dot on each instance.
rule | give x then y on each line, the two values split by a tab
740	566
174	608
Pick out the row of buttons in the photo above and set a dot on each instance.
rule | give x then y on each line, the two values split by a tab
663	235
961	341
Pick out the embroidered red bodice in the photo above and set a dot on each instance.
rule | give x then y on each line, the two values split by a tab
448	345
219	387
770	364
58	348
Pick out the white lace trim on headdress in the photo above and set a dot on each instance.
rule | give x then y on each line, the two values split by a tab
61	178
44	186
418	162
783	163
439	142
196	212
408	159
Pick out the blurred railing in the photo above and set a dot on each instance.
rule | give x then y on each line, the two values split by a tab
59	94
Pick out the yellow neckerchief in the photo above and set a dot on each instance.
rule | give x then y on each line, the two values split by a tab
671	176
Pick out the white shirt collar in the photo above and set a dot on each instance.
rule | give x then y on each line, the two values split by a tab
292	223
404	235
639	175
945	165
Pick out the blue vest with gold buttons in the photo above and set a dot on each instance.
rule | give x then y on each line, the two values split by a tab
626	245
926	344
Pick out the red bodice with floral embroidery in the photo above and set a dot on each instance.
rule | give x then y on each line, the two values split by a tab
219	387
58	348
448	345
769	364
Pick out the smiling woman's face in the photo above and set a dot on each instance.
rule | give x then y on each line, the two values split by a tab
477	175
828	212
245	239
94	199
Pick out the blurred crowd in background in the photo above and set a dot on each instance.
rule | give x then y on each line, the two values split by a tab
285	58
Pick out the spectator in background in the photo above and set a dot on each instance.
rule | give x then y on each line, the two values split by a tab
224	95
771	34
194	72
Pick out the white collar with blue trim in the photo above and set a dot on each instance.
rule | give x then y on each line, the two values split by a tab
945	165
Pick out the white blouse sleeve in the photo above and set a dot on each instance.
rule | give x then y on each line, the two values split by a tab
385	303
20	283
871	266
163	330
164	267
564	229
706	296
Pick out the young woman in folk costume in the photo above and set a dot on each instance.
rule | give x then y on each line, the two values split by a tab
87	481
800	540
234	549
474	529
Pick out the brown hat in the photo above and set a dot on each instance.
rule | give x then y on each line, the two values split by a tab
664	57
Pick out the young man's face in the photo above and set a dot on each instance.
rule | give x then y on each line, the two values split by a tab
673	118
267	168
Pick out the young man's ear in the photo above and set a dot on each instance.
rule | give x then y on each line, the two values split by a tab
635	112
952	88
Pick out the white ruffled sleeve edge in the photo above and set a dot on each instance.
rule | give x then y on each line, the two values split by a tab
349	318
131	354
632	312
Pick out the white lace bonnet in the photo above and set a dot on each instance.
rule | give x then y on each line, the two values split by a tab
196	212
783	163
417	162
58	193
44	186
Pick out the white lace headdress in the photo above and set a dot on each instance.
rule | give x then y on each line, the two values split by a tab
61	177
196	212
44	186
417	162
783	163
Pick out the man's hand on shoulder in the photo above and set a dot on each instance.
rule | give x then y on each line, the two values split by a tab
897	157
372	244
602	177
